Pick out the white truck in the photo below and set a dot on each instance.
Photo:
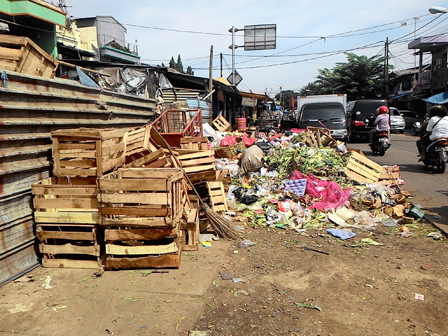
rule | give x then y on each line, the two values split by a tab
328	111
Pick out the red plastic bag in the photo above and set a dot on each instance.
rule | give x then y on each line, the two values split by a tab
248	141
328	193
228	141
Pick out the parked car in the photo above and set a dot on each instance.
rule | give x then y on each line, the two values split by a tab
410	117
360	115
397	122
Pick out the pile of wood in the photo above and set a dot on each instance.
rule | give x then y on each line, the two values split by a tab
119	199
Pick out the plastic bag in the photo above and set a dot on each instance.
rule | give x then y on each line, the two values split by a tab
228	141
248	141
251	160
248	199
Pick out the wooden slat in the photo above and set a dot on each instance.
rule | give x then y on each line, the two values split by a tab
197	162
133	185
86	163
200	168
69	263
134	211
357	177
199	154
78	145
362	170
141	250
77	172
169	260
367	162
66	217
65	203
147	222
93	250
149	173
42	235
83	154
64	190
139	234
141	198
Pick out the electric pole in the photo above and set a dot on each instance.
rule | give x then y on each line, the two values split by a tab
386	69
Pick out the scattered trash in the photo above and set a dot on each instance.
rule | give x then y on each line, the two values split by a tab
436	216
247	243
58	307
342	234
226	275
304	305
83	280
146	273
133	299
419	297
238	227
206	244
435	235
19	308
236	280
424	267
198	333
26	278
46	283
244	292
370	241
208	237
235	251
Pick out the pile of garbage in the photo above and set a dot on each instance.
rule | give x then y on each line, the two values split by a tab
291	181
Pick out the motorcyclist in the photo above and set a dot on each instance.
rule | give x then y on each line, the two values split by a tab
382	122
437	128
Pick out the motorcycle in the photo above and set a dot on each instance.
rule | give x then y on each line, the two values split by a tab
416	128
436	155
380	143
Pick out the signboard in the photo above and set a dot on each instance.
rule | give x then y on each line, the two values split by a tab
260	37
248	101
238	78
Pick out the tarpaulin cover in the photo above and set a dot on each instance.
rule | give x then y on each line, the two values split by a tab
328	194
440	98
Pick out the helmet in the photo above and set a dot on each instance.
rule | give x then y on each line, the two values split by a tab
383	109
438	110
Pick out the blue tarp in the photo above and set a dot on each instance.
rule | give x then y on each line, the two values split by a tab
440	98
401	95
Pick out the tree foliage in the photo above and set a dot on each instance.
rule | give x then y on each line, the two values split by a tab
177	65
361	77
190	71
285	98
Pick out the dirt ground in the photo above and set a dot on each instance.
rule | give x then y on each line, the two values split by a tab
354	290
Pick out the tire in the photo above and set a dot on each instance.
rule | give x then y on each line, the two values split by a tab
441	167
402	131
382	151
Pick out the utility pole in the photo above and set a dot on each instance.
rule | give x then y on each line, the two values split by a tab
233	30
210	76
220	58
386	69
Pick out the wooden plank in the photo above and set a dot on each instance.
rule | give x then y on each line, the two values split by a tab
64	190
170	260
357	177
133	185
367	162
157	164
65	203
217	199
86	163
69	263
146	159
146	222
77	172
200	168
135	211
66	217
8	65
197	162
390	175
117	150
141	250
93	250
72	146
140	198
71	155
362	170
149	173
220	208
68	235
139	234
214	184
198	154
56	158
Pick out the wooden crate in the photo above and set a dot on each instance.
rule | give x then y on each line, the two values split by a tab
190	231
69	245
200	161
361	169
204	223
149	254
195	143
221	124
389	175
21	54
142	197
87	152
217	196
65	200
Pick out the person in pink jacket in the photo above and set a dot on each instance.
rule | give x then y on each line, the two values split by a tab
382	122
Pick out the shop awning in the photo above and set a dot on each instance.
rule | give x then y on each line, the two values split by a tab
440	98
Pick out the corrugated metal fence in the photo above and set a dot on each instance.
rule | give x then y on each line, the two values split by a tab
30	108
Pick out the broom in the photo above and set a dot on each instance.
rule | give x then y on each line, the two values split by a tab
221	225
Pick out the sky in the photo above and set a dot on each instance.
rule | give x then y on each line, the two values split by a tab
311	34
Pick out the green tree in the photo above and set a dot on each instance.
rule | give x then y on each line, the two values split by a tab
311	88
190	71
179	67
361	77
285	98
172	63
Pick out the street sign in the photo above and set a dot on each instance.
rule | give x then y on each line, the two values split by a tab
238	79
260	37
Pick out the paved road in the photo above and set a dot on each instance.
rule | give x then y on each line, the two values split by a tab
427	187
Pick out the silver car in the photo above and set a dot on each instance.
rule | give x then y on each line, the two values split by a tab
397	122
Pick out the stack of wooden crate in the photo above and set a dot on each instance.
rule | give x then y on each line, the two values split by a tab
143	211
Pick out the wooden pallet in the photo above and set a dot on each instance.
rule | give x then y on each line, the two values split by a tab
217	196
69	245
323	135
166	254
310	139
87	152
22	55
221	124
190	231
361	169
142	198
64	200
200	161
195	143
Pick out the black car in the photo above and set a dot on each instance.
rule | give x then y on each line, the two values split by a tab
360	116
